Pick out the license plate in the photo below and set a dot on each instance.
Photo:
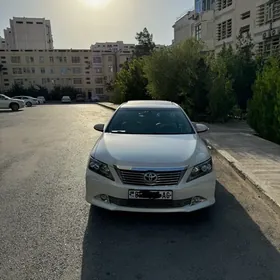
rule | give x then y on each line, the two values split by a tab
147	194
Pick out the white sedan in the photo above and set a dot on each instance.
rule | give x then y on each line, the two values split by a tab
10	103
65	99
150	158
28	100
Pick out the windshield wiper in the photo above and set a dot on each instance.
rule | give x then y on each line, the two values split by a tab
118	131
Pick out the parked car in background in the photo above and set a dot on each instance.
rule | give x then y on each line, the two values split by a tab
66	99
10	103
28	100
80	97
41	99
95	99
36	100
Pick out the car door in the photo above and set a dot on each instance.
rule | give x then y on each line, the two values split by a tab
4	102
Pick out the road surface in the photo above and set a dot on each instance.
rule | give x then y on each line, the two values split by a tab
48	231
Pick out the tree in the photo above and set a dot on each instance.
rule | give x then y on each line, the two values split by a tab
130	83
221	95
176	74
264	108
245	70
145	44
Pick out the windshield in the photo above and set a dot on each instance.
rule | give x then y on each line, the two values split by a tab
150	121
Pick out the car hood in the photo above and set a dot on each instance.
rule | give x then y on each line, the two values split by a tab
150	150
18	100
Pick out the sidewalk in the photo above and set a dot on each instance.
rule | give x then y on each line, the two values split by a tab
252	157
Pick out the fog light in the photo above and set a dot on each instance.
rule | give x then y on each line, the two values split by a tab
104	197
197	199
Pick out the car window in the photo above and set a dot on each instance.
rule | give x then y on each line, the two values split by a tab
150	121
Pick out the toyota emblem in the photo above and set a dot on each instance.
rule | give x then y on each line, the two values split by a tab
150	178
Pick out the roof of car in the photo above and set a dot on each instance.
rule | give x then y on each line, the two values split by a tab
149	104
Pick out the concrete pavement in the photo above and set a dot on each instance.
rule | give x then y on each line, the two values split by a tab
254	158
49	232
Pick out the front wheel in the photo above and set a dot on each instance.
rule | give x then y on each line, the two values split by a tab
28	104
14	106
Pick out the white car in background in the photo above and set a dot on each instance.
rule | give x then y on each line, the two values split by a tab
150	158
65	99
11	103
41	99
28	100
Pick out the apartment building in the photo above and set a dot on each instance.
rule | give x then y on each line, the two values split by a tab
85	70
113	46
196	25
267	29
2	43
28	33
222	21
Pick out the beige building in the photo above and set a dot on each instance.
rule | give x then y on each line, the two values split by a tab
2	43
28	33
113	46
84	70
227	19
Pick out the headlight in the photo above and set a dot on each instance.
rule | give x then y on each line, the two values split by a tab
100	168
201	170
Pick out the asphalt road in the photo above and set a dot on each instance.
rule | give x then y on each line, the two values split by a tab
47	230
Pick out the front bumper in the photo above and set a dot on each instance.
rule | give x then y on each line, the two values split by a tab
187	197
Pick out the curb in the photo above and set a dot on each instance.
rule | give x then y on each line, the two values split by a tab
106	106
246	176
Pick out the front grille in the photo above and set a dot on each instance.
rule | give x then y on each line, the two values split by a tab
150	203
164	178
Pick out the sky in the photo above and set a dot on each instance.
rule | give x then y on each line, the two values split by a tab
80	23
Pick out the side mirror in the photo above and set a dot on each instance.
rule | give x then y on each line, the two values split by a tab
99	127
200	128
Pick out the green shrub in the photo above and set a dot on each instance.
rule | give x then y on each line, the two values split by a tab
264	108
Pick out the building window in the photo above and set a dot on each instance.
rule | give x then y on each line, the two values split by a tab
44	81
33	70
97	59
110	68
269	47
51	71
245	15
15	59
245	29
65	59
224	30
99	80
77	81
77	70
268	12
18	81
41	59
99	91
29	59
43	70
222	4
26	70
98	70
17	70
76	59
88	83
110	58
51	59
198	32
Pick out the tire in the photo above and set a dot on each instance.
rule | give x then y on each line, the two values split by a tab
28	104
14	106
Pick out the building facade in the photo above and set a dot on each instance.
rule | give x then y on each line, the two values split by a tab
28	33
113	46
226	20
85	70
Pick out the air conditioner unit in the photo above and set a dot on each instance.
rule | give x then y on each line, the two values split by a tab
275	32
266	35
